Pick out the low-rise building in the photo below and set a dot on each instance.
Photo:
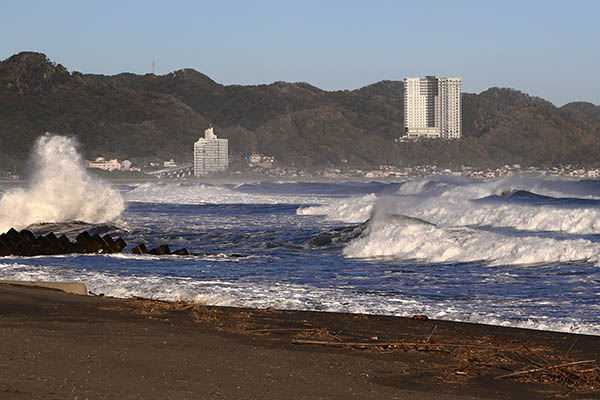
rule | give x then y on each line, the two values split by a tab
170	164
259	160
101	163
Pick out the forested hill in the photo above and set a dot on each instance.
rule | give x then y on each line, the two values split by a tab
146	117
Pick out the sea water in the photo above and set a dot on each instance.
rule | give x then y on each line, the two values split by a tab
522	252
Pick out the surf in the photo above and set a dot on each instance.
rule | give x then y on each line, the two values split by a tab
59	190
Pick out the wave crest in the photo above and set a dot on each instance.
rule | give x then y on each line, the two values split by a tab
197	193
406	239
520	204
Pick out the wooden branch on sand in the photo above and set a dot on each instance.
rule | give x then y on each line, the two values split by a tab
267	330
431	334
529	371
388	344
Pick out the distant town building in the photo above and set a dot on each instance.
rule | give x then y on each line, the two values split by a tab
259	160
210	154
111	165
432	108
170	164
101	163
8	175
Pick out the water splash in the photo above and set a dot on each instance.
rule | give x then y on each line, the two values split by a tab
60	190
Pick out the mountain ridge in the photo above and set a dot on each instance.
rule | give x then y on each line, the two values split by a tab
149	117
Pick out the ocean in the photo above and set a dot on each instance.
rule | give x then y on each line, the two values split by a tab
520	252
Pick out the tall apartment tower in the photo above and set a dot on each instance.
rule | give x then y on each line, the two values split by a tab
210	154
432	107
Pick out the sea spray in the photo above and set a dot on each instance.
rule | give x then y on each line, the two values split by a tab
60	190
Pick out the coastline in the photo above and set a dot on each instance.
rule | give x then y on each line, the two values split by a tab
61	345
233	178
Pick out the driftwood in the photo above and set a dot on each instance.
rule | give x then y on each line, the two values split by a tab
573	344
548	367
565	373
431	334
390	344
277	330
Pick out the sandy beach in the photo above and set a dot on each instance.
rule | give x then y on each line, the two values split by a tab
56	345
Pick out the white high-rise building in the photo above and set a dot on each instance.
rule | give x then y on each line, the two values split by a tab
210	154
432	107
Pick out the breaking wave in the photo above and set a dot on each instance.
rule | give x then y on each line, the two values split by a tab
410	240
516	203
196	193
60	190
353	209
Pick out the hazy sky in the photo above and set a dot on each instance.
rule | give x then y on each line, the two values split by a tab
546	48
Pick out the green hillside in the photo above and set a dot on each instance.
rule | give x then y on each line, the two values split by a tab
149	117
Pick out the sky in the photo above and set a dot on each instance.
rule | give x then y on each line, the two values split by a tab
549	48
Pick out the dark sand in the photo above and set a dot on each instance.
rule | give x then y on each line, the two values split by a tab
55	345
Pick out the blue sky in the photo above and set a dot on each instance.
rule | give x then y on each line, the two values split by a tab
546	48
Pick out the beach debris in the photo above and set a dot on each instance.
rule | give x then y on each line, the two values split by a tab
421	317
394	344
545	368
26	244
431	334
528	365
576	374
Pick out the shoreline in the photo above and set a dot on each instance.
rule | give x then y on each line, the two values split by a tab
61	345
233	178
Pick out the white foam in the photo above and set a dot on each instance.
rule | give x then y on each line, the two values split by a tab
353	209
60	190
185	193
407	240
453	205
293	297
414	187
534	218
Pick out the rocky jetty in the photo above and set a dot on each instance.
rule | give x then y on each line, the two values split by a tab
26	244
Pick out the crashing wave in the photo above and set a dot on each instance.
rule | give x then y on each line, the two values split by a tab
410	240
60	190
502	203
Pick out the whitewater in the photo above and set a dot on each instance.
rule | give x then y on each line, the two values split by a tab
522	252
